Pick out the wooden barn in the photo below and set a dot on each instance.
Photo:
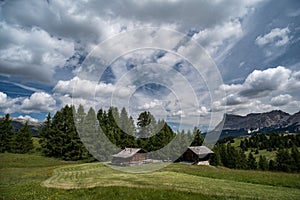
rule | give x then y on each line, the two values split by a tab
129	156
197	155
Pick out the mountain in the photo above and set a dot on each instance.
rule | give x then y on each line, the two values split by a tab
269	122
17	123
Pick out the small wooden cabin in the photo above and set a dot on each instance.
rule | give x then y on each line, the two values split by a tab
196	155
128	156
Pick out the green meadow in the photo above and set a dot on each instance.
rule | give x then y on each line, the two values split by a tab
32	176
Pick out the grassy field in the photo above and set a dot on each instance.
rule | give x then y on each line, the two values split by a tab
36	177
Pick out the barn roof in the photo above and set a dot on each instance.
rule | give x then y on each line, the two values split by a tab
201	151
128	152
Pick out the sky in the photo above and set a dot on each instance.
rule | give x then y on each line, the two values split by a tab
188	62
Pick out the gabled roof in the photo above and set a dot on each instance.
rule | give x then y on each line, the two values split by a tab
128	152
201	151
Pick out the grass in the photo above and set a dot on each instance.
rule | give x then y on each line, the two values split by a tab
37	177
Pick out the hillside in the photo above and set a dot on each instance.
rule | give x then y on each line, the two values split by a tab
274	121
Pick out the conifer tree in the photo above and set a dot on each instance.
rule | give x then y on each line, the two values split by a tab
6	134
262	163
272	165
22	141
295	154
198	138
60	138
252	164
283	160
215	159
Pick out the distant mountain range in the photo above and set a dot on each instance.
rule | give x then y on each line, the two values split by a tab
269	122
18	123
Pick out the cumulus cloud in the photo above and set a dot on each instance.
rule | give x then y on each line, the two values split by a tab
3	98
34	47
274	43
232	99
81	88
28	52
30	40
278	37
7	104
262	82
281	100
151	105
213	38
39	102
179	113
262	90
27	118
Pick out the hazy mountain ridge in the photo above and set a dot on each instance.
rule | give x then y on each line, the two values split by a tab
17	123
273	121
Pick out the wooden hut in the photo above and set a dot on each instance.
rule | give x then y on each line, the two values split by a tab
129	156
197	155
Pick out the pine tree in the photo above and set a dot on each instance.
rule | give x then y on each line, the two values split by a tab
224	155
45	134
146	123
241	161
126	130
283	160
215	158
252	164
6	134
22	141
272	165
262	163
73	149
231	156
60	138
198	139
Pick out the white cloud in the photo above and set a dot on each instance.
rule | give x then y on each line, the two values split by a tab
151	105
232	99
7	104
43	33
202	112
86	89
262	90
213	38
39	102
31	53
281	100
27	118
179	113
277	37
262	82
3	99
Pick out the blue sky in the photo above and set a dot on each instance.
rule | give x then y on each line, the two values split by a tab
47	48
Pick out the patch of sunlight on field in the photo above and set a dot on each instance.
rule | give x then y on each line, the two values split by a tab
97	174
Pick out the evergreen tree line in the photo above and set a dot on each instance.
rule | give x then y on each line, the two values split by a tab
12	141
271	142
59	137
73	134
234	157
